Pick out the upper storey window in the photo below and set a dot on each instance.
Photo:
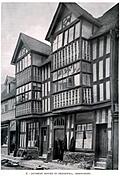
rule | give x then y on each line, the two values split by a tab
23	63
101	49
66	37
94	49
108	45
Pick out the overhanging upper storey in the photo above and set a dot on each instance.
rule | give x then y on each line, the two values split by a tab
65	14
27	44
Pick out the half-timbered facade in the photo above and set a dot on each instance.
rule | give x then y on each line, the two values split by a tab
28	56
81	78
67	94
8	123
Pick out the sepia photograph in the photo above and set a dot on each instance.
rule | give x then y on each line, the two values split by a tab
59	86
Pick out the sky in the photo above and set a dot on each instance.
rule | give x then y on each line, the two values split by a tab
34	20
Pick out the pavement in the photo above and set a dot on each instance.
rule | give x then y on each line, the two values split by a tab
40	164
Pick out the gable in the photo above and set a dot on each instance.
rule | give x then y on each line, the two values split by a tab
22	51
65	18
62	10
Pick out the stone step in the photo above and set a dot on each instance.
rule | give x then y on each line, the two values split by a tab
99	168
102	159
100	164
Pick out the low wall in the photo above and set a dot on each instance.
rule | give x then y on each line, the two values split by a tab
85	160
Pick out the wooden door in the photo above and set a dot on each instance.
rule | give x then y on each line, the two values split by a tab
58	140
44	140
101	140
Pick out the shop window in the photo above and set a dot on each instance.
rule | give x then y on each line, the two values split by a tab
4	136
33	134
23	134
84	136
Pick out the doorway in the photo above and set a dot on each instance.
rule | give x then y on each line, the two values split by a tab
44	140
58	143
101	140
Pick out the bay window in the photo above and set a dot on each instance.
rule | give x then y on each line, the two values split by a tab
23	134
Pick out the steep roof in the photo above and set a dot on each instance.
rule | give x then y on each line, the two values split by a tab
9	79
109	20
32	45
76	10
6	96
